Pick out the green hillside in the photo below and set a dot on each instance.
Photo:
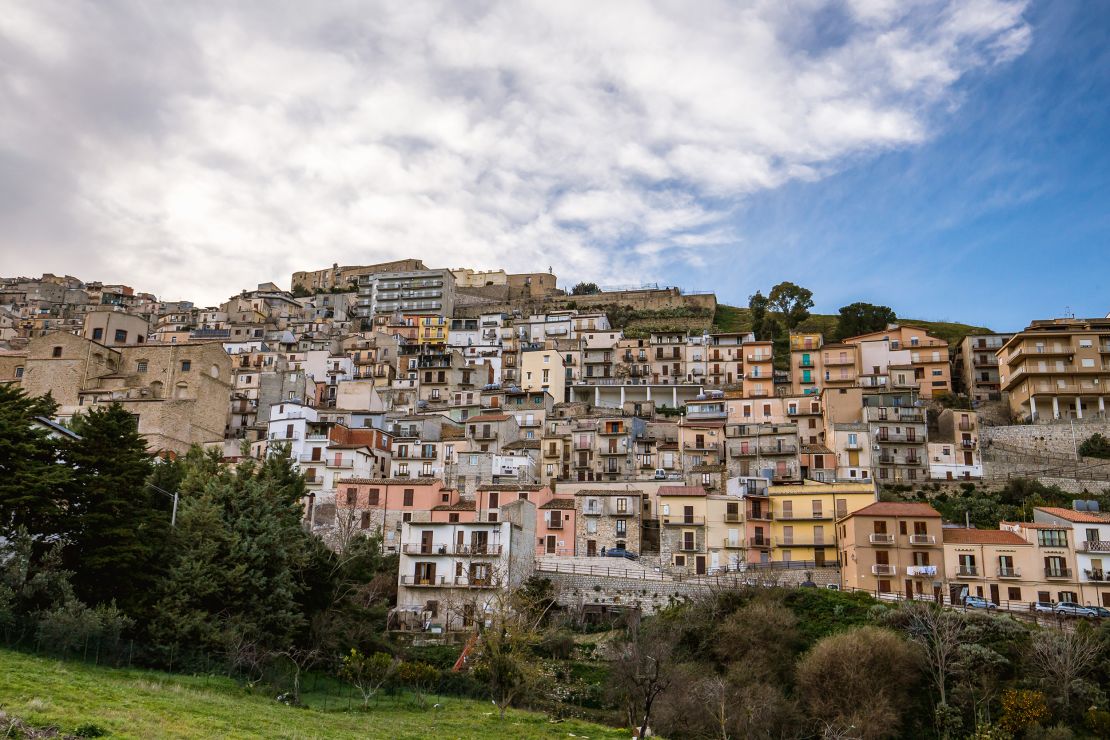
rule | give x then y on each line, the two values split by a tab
143	704
735	318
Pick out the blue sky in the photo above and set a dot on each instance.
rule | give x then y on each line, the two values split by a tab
943	157
1003	217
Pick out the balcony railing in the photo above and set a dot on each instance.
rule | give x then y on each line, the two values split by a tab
1095	546
761	515
733	544
1057	573
792	515
881	539
759	542
1096	575
418	581
967	571
683	521
884	570
923	539
1004	572
734	516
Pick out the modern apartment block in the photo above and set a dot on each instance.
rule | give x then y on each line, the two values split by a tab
904	358
975	366
412	292
899	436
891	547
1057	369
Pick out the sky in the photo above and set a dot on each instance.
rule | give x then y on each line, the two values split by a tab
948	159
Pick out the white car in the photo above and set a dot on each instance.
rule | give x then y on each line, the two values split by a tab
1073	609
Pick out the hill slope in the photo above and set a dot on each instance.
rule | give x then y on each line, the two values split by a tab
735	318
143	704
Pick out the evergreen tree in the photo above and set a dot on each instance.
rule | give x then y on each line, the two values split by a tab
32	484
116	523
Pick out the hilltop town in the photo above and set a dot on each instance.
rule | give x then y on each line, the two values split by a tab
460	412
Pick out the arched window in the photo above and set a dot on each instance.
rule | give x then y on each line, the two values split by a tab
181	390
156	389
214	371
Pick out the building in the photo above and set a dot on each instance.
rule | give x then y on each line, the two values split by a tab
995	564
682	528
903	358
954	452
899	435
114	328
385	504
890	547
409	292
345	278
1090	533
802	519
543	370
975	366
1057	369
605	519
453	573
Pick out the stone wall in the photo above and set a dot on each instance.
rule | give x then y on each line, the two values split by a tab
1054	438
650	594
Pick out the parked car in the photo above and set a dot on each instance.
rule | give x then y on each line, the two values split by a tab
1044	606
618	552
1073	609
1101	612
978	602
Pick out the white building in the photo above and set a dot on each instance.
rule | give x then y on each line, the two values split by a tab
1091	533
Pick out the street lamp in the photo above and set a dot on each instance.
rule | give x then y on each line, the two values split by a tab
174	496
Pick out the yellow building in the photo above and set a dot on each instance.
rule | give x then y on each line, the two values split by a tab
543	370
803	516
431	329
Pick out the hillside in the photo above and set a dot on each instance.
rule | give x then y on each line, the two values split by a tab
142	704
734	318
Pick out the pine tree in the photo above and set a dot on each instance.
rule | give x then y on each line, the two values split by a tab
32	484
117	524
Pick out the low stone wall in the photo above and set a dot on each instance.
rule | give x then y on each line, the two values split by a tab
650	594
1051	438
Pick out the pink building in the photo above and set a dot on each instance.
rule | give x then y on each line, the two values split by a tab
555	527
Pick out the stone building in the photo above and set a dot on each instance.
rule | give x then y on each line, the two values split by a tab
607	519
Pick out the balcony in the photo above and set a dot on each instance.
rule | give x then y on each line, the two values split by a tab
466	582
733	517
1009	572
688	547
592	511
921	570
759	542
830	361
1094	546
487	436
683	521
795	542
759	515
733	544
805	363
342	464
553	524
1058	573
1096	575
923	539
428	582
881	539
967	571
796	516
883	569
313	480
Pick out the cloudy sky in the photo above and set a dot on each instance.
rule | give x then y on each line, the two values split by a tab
907	153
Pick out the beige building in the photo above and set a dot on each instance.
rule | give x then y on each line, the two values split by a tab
1057	369
904	358
954	452
890	547
682	528
976	366
319	281
1004	566
543	370
113	328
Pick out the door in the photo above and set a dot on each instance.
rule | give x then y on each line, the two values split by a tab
550	544
479	542
994	593
591	547
909	589
819	557
316	453
426	541
699	565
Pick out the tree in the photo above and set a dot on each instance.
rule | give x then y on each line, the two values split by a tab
421	678
117	526
33	486
585	289
762	323
792	302
939	633
1095	446
367	673
872	670
1061	659
862	318
645	670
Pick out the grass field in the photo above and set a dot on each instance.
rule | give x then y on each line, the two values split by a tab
144	704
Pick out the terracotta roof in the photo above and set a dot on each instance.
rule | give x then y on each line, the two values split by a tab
668	445
457	506
1079	517
512	487
896	508
452	433
963	535
681	491
349	447
486	417
605	492
708	469
559	503
1034	525
392	481
810	449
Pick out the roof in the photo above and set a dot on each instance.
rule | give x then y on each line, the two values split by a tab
966	536
896	508
708	468
512	487
1033	525
607	492
56	427
681	491
365	445
392	481
457	506
815	449
522	444
487	417
1070	515
559	503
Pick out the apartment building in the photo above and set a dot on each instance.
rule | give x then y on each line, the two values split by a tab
816	365
682	520
543	370
555	527
996	564
607	518
759	370
803	517
889	547
384	504
770	451
975	366
899	435
954	452
1057	369
115	327
904	358
1090	533
346	277
409	292
1054	560
452	573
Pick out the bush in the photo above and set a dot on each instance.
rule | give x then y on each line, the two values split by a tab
1095	446
88	729
1023	708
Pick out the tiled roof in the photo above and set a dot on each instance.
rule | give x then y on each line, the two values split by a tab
1034	525
708	469
811	449
457	506
512	487
392	481
522	444
486	417
681	491
606	492
896	508
559	503
963	535
1070	515
452	433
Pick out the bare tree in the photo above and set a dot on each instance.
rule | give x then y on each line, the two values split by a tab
1061	658
939	633
645	671
301	660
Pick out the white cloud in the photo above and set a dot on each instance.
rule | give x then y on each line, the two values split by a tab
194	151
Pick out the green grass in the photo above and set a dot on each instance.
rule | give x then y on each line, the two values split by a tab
143	704
735	318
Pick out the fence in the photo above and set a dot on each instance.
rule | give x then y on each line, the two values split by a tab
749	573
1023	610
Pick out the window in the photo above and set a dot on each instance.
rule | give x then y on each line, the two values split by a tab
365	523
408	495
591	526
373	497
121	335
98	334
19	372
141	366
1013	593
186	366
57	352
352	496
1052	538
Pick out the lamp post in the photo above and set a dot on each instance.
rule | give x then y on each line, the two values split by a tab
174	496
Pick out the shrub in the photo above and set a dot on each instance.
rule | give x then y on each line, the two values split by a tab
1022	708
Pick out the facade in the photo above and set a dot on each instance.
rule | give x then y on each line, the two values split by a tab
115	327
1057	369
890	547
802	525
409	292
904	358
321	281
683	543
975	366
954	452
605	519
1090	535
899	434
995	564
